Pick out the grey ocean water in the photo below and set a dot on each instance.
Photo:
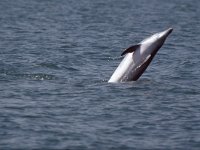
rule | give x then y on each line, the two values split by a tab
56	57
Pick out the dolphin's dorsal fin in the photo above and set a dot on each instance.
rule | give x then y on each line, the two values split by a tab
130	49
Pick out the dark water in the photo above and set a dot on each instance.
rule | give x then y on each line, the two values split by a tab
56	57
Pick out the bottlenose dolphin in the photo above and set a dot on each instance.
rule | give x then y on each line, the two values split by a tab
138	57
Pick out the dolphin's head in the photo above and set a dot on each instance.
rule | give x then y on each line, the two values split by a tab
161	37
158	37
155	42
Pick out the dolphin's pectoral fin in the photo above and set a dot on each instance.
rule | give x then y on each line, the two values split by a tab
130	49
146	59
142	67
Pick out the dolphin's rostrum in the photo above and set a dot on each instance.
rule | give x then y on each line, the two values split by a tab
138	57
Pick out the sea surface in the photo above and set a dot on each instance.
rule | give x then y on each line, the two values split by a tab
56	57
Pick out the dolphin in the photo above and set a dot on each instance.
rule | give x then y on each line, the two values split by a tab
138	57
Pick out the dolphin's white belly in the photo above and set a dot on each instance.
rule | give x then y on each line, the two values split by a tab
126	68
